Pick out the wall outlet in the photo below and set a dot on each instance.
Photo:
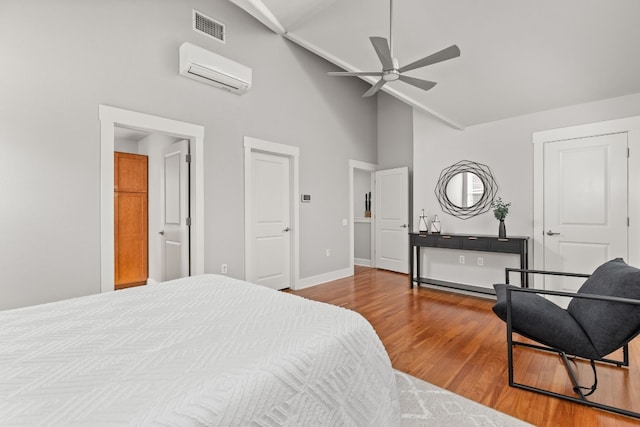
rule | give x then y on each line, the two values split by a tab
344	221
223	269
461	259
480	261
328	252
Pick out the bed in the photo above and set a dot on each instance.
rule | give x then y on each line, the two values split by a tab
203	350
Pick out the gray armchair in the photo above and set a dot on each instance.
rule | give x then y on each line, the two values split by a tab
602	317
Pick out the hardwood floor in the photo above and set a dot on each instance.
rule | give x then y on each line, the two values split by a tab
456	342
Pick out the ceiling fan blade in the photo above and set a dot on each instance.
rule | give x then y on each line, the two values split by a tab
381	45
354	73
376	87
422	84
447	53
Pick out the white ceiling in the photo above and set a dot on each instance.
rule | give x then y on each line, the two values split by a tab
518	56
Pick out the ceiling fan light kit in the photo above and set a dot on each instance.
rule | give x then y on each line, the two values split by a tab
390	69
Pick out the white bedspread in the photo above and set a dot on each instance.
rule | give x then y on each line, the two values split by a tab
207	350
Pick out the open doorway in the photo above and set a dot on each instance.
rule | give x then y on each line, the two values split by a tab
165	214
379	219
361	235
112	118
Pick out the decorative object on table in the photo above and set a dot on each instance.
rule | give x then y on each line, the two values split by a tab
422	223
435	225
466	189
367	205
500	211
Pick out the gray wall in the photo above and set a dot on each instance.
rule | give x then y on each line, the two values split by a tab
505	146
362	230
395	139
61	59
395	133
361	186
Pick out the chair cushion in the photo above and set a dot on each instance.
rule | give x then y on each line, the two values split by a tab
609	325
541	320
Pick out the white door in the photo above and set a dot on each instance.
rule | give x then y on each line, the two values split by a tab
392	219
585	206
270	211
175	211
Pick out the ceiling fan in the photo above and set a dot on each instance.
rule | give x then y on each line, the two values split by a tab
390	70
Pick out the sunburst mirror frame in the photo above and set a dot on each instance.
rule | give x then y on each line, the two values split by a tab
483	172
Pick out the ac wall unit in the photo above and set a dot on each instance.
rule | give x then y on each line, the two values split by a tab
209	67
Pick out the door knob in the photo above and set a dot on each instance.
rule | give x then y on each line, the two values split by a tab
286	229
404	226
161	233
551	233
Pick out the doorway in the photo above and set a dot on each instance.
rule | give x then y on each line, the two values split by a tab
270	208
386	202
166	230
271	214
584	198
392	219
585	206
110	118
361	233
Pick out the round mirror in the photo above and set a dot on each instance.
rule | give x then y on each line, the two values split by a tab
465	189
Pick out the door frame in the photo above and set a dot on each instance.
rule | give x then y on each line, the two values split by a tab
110	117
293	153
371	168
630	126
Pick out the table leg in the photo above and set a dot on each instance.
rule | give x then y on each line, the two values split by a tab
411	251
417	276
524	265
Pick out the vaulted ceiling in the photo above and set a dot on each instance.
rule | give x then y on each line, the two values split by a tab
518	56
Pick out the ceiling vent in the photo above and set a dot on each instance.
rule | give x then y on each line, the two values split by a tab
208	26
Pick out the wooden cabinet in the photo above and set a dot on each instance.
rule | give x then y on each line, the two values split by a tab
131	220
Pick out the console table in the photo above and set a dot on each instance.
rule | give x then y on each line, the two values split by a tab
512	245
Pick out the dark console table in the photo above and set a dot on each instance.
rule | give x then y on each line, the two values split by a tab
512	245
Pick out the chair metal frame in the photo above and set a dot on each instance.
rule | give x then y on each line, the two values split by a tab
511	343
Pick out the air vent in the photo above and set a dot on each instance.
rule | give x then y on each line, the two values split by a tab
210	27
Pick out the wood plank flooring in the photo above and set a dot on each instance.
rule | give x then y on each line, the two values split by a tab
456	342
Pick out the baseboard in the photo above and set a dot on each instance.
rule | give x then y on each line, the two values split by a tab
362	262
307	282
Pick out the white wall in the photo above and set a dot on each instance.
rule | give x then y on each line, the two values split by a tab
505	146
125	146
73	56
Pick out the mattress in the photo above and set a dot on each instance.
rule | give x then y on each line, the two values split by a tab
205	350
